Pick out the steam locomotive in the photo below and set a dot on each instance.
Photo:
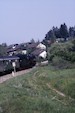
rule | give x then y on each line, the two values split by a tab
20	62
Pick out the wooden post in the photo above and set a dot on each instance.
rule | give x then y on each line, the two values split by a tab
14	66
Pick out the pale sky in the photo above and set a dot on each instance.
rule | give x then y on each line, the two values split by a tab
22	20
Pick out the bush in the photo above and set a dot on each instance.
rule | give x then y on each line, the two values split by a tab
62	55
59	62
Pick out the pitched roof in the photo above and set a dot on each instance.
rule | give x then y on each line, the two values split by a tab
37	52
32	45
9	58
18	47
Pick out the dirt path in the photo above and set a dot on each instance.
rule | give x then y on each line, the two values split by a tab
58	92
19	73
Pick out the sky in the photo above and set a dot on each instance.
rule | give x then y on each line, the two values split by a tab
23	20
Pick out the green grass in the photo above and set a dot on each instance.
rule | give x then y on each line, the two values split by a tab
30	93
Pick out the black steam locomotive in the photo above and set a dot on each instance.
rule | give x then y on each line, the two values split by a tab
21	62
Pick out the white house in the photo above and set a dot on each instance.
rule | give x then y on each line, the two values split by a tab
24	51
40	53
43	54
41	46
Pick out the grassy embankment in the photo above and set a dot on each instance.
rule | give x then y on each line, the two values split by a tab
39	92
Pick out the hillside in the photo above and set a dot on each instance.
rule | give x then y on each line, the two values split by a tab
43	90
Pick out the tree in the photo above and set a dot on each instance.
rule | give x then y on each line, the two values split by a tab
72	32
62	54
61	32
32	41
56	31
4	44
64	31
49	38
3	50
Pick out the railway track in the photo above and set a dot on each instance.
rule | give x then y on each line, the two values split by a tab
19	73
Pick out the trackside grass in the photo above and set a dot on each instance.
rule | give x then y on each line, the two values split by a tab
43	90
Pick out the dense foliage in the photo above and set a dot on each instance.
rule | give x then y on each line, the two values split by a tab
62	32
62	54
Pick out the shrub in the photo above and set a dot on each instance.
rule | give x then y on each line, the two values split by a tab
59	62
62	55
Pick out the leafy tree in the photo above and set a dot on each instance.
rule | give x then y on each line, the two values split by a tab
3	50
62	54
4	44
72	32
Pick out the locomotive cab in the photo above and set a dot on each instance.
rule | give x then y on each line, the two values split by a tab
26	61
